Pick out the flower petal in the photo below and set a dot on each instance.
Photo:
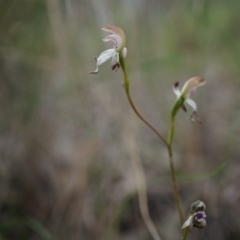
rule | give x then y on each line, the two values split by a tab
191	103
200	216
191	85
103	57
188	223
176	89
195	118
115	61
116	40
118	37
124	52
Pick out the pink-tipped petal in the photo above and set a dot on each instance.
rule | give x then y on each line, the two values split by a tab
115	39
114	29
118	37
191	85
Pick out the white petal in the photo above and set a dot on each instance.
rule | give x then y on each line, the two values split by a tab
188	223
176	90
95	71
103	57
115	62
192	103
115	58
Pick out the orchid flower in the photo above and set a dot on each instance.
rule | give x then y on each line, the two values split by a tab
118	39
187	91
196	217
197	220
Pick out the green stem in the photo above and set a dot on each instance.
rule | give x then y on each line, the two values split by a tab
143	119
170	136
175	187
175	108
185	234
127	90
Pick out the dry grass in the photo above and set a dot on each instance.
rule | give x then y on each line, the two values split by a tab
64	160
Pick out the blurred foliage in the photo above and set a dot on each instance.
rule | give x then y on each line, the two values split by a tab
64	171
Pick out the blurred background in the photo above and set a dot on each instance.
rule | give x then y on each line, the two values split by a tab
65	166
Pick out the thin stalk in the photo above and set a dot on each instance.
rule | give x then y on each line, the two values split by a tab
168	143
172	168
141	117
175	187
127	90
185	234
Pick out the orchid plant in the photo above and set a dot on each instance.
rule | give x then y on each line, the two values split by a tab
117	54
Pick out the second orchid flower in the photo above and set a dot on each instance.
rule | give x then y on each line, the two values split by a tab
187	91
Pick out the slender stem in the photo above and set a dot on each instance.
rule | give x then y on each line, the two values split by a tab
185	234
127	90
168	143
147	123
175	187
175	108
172	168
136	162
171	132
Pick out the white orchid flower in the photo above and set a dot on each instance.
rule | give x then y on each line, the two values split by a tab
119	40
187	91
